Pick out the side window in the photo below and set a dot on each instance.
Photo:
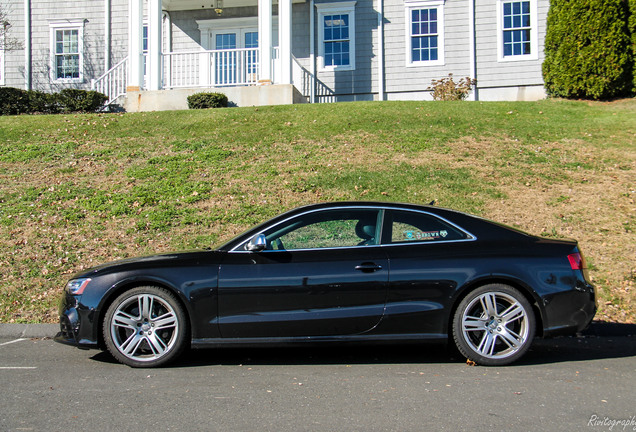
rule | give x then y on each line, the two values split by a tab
67	44
336	36
425	32
408	226
329	229
517	30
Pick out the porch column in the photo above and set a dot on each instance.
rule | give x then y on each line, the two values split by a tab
265	41
284	40
154	45
135	33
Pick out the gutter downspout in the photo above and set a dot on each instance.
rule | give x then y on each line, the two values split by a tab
107	35
381	49
27	45
312	53
472	47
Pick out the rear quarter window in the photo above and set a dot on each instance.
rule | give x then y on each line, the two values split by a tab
409	226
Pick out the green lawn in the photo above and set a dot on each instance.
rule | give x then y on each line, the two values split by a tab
78	190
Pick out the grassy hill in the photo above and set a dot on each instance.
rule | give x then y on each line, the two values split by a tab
78	190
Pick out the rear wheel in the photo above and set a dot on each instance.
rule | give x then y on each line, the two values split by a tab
145	327
494	325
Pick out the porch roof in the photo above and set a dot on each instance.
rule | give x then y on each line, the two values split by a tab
176	5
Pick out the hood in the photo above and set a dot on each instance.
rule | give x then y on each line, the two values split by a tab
170	259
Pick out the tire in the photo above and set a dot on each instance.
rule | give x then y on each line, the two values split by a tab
494	325
145	327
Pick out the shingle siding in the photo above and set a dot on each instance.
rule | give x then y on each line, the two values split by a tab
401	80
14	60
45	12
494	73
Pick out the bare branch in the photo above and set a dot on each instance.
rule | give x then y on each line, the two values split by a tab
7	41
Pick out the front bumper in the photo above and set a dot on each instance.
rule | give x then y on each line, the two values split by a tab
76	323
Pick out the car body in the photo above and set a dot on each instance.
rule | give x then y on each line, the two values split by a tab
338	272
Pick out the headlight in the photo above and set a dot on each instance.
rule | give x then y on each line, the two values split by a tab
76	286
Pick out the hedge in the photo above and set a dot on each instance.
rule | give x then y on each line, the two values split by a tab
17	101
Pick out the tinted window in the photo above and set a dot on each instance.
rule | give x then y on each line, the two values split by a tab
406	226
325	229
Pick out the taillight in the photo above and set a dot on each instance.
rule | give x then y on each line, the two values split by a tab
576	261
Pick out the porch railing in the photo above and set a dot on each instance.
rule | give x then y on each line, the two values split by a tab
303	80
215	68
113	82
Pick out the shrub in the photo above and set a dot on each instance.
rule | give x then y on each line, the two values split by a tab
446	89
207	100
13	101
587	49
75	100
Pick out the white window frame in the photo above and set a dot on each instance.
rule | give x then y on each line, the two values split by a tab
534	34
409	6
56	26
341	8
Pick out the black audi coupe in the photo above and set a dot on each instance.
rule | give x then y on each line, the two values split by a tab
344	272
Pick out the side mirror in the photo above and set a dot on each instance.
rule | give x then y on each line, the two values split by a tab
257	243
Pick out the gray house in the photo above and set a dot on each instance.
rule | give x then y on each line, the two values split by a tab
151	54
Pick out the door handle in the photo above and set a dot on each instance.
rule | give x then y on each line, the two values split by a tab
368	267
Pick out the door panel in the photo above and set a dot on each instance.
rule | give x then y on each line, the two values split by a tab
302	293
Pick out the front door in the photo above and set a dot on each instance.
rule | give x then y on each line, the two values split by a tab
321	274
236	61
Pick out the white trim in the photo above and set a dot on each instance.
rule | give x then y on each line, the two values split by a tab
312	51
409	6
69	24
381	77
107	34
28	32
2	55
473	48
534	34
324	9
210	27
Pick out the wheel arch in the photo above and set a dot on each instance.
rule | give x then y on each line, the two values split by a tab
522	287
136	282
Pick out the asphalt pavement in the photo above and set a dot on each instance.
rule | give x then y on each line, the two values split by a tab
575	383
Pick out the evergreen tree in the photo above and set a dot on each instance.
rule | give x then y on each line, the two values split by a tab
587	49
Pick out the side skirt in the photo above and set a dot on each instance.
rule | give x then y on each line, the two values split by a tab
290	341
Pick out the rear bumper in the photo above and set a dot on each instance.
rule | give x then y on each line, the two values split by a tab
572	311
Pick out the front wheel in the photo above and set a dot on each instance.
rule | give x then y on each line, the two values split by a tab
494	325
145	327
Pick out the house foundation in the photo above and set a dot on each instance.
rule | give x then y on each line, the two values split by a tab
177	99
